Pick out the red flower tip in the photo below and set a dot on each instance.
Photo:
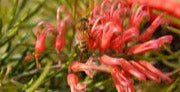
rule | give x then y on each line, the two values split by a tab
130	35
124	64
132	70
118	76
154	70
28	57
147	34
60	38
165	40
60	42
130	87
146	72
106	37
72	81
40	43
150	45
78	67
137	16
107	60
121	81
89	67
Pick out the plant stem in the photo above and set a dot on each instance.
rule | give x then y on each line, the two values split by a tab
40	79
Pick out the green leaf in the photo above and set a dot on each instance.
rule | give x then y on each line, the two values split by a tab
39	81
175	30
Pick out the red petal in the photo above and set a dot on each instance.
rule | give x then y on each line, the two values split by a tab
107	60
155	71
148	73
132	70
124	64
165	40
40	43
106	37
130	87
150	45
116	73
72	79
147	34
144	47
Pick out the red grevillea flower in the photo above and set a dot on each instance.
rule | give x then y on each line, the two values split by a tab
147	73
40	43
58	31
61	27
89	67
108	33
140	69
106	37
60	38
150	45
171	7
73	82
121	81
155	71
124	64
147	34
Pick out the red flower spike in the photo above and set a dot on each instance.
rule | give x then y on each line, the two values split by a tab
77	67
38	27
89	68
103	4
126	74
61	26
112	8
147	73
72	81
40	43
60	42
116	44
119	87
60	38
90	62
132	70
137	16
130	87
93	15
145	47
107	60
155	71
165	40
106	37
147	34
172	7
150	45
118	20
130	35
60	9
124	64
104	11
94	27
119	77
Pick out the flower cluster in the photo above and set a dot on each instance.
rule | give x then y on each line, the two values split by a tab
58	31
108	33
171	7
